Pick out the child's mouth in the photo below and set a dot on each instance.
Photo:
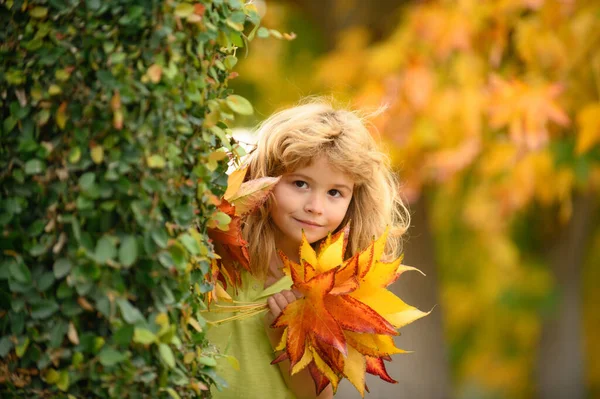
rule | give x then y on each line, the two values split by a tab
307	223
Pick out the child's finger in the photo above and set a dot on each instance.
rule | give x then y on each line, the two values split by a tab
281	300
273	307
289	296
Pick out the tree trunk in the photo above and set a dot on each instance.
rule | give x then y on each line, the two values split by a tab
560	369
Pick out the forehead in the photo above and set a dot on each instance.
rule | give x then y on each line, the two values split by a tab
322	171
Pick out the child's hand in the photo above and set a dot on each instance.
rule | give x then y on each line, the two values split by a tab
277	302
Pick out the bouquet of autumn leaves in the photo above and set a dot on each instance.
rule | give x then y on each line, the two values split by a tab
344	324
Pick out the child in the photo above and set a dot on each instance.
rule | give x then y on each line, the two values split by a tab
332	174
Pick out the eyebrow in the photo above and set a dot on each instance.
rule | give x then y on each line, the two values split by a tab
300	175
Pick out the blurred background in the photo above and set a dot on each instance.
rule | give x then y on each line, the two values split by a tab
493	123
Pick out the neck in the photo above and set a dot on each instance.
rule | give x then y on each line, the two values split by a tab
291	250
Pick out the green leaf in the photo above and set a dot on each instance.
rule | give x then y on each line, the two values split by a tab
128	251
230	61
130	313
75	155
44	309
39	12
262	32
55	90
20	272
21	348
222	220
239	105
87	180
160	237
5	345
235	25
62	267
77	359
190	243
167	355
184	10
63	381
34	167
45	281
173	393
51	376
156	162
178	255
109	357
124	335
143	336
208	361
97	154
105	249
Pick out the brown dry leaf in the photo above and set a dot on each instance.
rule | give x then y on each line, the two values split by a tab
154	73
72	334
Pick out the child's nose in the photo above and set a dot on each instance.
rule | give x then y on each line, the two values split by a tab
314	205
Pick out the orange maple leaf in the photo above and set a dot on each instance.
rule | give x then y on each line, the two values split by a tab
240	199
331	330
525	110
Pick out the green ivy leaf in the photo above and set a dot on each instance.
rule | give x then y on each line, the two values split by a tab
184	10
97	154
160	237
230	61
51	376
222	219
130	313
156	162
34	167
190	243
75	155
109	357
44	309
239	105
87	180
173	393
128	251
105	249
63	381
21	347
39	12
143	336
167	355
20	272
62	267
207	361
5	345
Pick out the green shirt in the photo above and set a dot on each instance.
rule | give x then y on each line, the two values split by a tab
247	341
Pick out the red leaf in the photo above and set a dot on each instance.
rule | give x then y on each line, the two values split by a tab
307	318
351	314
375	366
346	279
283	356
319	378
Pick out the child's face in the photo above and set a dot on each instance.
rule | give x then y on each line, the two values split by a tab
315	199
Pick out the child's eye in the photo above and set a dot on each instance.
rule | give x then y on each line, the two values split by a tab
334	193
300	184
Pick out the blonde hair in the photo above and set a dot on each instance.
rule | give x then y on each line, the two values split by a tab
292	139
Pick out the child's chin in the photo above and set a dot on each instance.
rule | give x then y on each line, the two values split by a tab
313	239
